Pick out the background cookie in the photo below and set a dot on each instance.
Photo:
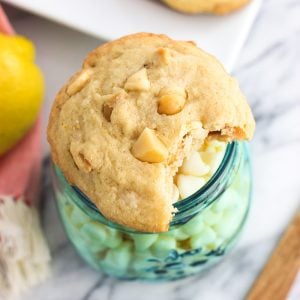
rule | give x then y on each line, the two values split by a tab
219	7
138	92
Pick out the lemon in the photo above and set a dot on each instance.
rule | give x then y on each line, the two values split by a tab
21	89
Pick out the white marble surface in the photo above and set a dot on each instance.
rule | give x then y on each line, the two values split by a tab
269	71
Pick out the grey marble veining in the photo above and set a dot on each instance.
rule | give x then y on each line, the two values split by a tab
269	72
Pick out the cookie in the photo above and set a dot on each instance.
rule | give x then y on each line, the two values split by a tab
120	128
218	7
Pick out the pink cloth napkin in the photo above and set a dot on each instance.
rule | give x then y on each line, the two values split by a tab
20	167
5	26
24	255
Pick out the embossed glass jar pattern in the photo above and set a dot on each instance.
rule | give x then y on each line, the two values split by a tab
202	231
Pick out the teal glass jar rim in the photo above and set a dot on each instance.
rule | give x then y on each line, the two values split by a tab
184	209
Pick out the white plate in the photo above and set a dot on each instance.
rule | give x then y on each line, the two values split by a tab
109	19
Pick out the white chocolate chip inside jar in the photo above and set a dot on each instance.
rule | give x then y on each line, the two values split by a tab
197	169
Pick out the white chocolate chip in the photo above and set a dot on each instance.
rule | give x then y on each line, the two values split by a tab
138	81
149	148
78	83
194	165
188	184
213	155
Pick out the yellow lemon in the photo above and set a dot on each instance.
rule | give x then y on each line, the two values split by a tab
21	89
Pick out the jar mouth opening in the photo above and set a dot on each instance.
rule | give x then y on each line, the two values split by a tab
205	192
214	178
182	207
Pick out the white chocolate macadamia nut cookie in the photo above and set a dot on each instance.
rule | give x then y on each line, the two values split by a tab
122	126
217	7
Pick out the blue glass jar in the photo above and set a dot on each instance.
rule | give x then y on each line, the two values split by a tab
202	231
